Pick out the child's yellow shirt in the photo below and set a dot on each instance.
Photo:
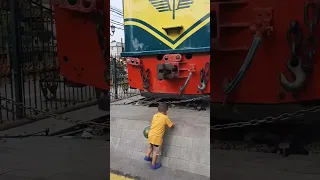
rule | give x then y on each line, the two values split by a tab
158	127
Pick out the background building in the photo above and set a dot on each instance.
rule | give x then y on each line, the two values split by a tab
116	48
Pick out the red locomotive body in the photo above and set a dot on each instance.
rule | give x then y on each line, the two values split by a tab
264	58
183	78
83	40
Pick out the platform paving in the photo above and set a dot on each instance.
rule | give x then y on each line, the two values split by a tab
50	158
235	165
140	170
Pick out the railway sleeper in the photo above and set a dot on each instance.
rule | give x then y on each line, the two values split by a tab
269	140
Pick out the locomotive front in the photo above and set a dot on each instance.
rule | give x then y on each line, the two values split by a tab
167	47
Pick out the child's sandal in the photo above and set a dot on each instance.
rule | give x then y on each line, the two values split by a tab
147	158
156	166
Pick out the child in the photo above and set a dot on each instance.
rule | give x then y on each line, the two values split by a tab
156	132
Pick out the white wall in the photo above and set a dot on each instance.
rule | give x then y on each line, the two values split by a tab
116	48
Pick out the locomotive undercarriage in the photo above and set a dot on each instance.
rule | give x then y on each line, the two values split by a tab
258	128
174	96
288	137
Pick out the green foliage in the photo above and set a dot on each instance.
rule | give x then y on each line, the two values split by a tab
120	68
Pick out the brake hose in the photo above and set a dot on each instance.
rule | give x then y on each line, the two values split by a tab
245	66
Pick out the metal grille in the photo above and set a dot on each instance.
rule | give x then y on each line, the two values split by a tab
119	85
29	72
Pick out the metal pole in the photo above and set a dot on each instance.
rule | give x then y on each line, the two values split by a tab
115	79
122	48
117	50
15	43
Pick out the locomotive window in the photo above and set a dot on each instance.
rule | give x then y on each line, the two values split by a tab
213	25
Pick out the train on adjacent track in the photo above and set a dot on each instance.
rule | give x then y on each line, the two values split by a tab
167	47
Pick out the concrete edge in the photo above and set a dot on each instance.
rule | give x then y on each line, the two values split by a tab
124	98
119	172
17	123
127	100
70	128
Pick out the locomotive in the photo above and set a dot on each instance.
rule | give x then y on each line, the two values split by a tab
167	47
83	35
264	62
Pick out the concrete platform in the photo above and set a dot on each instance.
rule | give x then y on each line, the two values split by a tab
48	158
235	165
140	170
186	147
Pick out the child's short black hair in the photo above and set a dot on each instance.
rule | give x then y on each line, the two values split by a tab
162	107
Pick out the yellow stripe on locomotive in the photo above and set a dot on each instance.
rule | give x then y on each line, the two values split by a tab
166	26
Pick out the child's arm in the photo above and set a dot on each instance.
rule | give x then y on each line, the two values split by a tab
169	123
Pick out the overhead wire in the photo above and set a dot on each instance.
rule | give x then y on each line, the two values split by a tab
117	13
116	10
116	22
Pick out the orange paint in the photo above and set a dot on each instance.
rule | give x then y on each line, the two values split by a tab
170	86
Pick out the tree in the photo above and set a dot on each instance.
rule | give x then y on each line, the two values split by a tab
121	72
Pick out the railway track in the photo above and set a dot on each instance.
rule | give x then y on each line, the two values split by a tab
283	139
96	129
313	148
194	104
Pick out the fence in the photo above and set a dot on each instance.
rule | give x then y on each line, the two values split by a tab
120	88
29	73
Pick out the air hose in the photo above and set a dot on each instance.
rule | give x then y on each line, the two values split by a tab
245	66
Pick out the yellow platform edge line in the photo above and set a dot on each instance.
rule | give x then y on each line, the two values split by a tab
118	177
